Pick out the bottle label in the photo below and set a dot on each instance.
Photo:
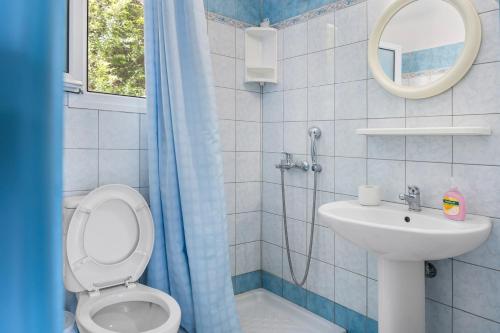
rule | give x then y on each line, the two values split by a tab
451	206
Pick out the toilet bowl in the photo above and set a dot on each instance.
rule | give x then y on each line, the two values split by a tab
128	310
108	240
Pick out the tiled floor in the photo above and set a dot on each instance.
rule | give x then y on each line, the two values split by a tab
263	312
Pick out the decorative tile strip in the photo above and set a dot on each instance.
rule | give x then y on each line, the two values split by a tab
226	20
338	5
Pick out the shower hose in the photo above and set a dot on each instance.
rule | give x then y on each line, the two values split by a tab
311	237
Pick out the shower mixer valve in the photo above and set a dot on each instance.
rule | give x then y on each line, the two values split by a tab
288	163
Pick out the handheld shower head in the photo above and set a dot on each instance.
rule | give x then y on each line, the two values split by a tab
314	133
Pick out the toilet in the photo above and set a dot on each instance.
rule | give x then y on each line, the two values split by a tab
108	239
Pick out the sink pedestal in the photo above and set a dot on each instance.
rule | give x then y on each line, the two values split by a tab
401	296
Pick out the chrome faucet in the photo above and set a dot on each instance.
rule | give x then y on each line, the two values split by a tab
412	198
288	163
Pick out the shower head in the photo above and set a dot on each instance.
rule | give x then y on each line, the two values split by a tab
314	132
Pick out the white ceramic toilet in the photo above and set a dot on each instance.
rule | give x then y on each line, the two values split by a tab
108	240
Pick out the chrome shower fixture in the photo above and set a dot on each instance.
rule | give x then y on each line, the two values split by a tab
315	134
288	163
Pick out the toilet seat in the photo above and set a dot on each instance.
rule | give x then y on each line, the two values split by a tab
108	244
89	306
110	238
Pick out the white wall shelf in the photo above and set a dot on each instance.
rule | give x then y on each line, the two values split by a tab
437	131
261	55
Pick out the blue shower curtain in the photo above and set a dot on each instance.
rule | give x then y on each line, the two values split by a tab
190	259
31	104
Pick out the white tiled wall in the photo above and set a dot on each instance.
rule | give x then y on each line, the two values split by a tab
239	112
104	147
328	84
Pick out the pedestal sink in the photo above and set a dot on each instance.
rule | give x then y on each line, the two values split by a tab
403	240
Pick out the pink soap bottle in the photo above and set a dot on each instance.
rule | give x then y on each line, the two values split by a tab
454	206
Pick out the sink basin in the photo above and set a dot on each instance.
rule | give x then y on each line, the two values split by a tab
393	232
403	240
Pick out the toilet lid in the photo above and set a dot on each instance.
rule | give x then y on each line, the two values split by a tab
110	237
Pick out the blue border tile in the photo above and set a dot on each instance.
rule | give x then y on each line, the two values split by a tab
246	282
248	11
293	8
340	315
320	305
313	4
272	283
371	326
294	294
222	7
273	10
352	321
251	11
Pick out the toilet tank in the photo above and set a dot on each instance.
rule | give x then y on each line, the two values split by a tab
69	206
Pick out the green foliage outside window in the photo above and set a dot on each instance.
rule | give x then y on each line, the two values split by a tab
116	47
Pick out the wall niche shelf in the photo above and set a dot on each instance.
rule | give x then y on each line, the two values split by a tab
261	55
419	131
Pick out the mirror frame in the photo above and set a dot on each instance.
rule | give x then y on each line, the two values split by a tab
472	43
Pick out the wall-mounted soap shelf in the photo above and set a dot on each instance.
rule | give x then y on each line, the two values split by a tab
437	131
261	55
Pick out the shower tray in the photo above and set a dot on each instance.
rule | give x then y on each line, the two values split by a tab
263	312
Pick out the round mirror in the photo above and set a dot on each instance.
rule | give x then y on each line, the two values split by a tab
420	48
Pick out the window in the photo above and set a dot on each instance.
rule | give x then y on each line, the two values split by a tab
115	47
106	55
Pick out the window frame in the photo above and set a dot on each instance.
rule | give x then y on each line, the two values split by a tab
78	69
71	84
